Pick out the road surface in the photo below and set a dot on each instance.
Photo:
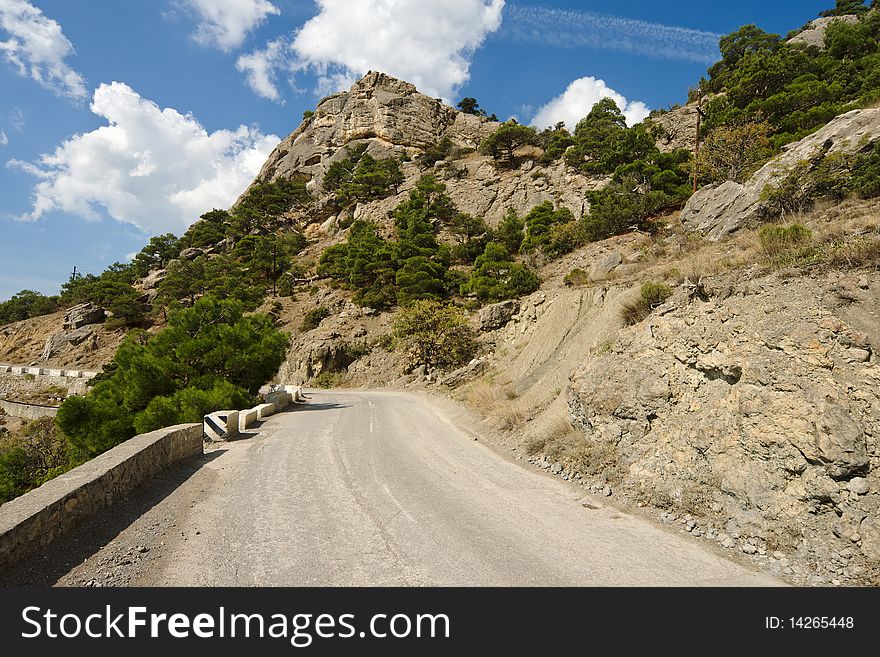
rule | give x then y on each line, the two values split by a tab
377	489
374	489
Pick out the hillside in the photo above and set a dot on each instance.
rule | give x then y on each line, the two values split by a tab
708	358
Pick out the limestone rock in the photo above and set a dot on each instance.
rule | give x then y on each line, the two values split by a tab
497	315
191	254
750	404
392	119
469	371
82	315
152	280
55	344
676	128
380	108
814	35
718	210
602	267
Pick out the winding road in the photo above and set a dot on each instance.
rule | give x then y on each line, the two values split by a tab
375	489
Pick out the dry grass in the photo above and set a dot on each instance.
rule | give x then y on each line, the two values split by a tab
564	443
499	405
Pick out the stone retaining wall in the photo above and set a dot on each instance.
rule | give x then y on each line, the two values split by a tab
34	520
27	411
17	380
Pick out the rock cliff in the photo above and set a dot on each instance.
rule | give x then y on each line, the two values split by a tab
719	210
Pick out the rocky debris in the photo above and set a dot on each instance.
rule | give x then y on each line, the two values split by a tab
475	367
497	315
604	266
814	34
750	411
82	315
152	280
58	342
676	128
718	210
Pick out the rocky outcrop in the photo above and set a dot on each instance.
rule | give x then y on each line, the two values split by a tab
390	113
814	34
757	412
676	128
607	263
57	343
82	315
719	210
393	119
497	315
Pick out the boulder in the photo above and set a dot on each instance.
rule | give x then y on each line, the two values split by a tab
191	254
56	343
602	267
82	315
152	280
497	315
466	373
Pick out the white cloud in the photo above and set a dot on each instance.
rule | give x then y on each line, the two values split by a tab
578	100
574	28
226	23
4	140
260	68
427	43
37	48
154	168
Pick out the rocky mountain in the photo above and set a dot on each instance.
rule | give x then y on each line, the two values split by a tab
393	119
742	407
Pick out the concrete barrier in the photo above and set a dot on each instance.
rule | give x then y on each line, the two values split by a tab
281	400
35	519
295	393
222	425
27	411
264	411
246	418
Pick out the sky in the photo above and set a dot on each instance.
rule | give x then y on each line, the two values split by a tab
123	120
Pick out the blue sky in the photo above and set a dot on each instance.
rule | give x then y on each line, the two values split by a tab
120	120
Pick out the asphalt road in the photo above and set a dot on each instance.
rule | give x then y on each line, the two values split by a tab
382	488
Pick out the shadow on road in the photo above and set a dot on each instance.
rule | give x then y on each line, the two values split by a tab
66	552
319	407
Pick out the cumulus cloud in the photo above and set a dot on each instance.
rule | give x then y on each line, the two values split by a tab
226	23
567	28
427	43
261	69
577	101
154	168
37	48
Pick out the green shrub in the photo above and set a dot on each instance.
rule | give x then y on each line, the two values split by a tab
776	240
540	223
210	354
313	318
327	380
502	144
576	277
434	334
360	177
497	277
26	304
651	296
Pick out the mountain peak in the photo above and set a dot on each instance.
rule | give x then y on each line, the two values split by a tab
390	114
